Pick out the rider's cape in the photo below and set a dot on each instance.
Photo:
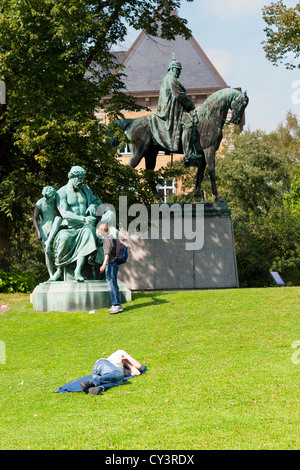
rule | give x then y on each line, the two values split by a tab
166	124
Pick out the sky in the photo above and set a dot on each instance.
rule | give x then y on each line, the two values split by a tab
230	32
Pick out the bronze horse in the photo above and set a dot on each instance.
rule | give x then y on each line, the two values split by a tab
211	119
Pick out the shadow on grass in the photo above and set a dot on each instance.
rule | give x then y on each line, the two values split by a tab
151	297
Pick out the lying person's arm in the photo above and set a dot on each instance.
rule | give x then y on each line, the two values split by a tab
131	366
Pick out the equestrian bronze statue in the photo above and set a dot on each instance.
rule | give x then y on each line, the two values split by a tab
177	128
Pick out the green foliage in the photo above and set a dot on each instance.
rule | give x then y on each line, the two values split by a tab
57	63
292	199
285	143
268	243
283	33
254	178
251	175
16	282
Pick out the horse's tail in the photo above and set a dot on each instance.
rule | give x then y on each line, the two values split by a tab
123	123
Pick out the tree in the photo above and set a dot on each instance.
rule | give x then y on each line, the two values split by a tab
283	34
268	243
251	175
255	177
57	63
292	199
285	142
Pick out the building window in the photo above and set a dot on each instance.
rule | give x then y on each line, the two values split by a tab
125	150
166	189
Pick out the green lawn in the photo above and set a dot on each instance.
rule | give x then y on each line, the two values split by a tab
220	373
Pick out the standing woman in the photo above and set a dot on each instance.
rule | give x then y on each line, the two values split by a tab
110	266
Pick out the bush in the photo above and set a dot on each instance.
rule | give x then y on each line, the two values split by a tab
16	282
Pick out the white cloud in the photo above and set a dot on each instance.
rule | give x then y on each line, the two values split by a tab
221	59
233	9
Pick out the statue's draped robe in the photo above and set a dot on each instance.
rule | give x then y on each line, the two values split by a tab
75	239
166	124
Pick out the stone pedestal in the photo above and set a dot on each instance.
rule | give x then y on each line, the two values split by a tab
72	296
167	264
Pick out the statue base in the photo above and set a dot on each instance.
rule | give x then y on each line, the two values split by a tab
73	296
173	264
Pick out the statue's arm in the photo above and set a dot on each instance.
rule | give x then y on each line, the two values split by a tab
92	209
93	201
56	207
179	92
36	216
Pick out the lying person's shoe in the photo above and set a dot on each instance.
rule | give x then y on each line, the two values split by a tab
86	385
96	390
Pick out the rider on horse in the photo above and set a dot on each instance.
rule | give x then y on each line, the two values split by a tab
174	124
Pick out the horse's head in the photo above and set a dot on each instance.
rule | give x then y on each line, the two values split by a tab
238	105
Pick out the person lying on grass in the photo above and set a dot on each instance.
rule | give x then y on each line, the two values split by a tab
108	373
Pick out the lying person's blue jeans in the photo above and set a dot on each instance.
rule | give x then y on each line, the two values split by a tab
111	272
106	374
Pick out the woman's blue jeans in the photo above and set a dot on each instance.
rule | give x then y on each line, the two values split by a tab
111	272
106	374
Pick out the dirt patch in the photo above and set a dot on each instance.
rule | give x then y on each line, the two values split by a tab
3	307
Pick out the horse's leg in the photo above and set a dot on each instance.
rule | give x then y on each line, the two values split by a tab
151	158
210	160
199	178
139	149
136	155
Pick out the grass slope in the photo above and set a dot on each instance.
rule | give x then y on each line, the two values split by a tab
220	373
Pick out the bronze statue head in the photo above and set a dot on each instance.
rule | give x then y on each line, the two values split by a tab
174	64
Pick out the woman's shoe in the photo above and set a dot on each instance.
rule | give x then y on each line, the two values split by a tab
116	309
